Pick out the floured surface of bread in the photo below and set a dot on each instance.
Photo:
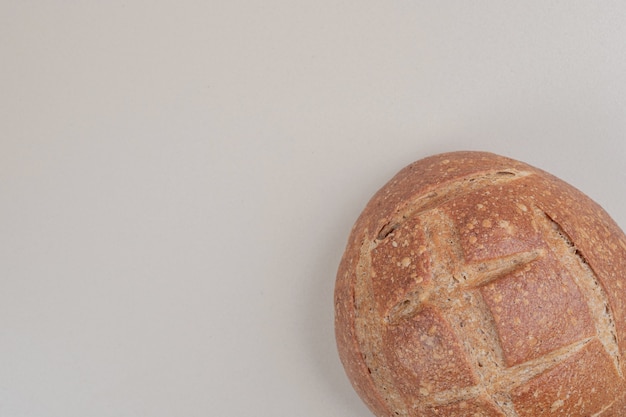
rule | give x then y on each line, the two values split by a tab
477	285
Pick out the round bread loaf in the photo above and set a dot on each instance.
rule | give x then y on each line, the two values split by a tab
476	285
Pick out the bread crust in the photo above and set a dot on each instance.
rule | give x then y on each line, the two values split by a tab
474	284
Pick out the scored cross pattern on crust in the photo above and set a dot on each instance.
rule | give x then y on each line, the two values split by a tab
453	279
455	291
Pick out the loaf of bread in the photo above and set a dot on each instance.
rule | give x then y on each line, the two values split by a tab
476	285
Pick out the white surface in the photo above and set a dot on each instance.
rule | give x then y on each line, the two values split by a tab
178	179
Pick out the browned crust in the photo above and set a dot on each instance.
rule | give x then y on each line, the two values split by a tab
564	224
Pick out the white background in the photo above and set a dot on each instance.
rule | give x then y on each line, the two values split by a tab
178	179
